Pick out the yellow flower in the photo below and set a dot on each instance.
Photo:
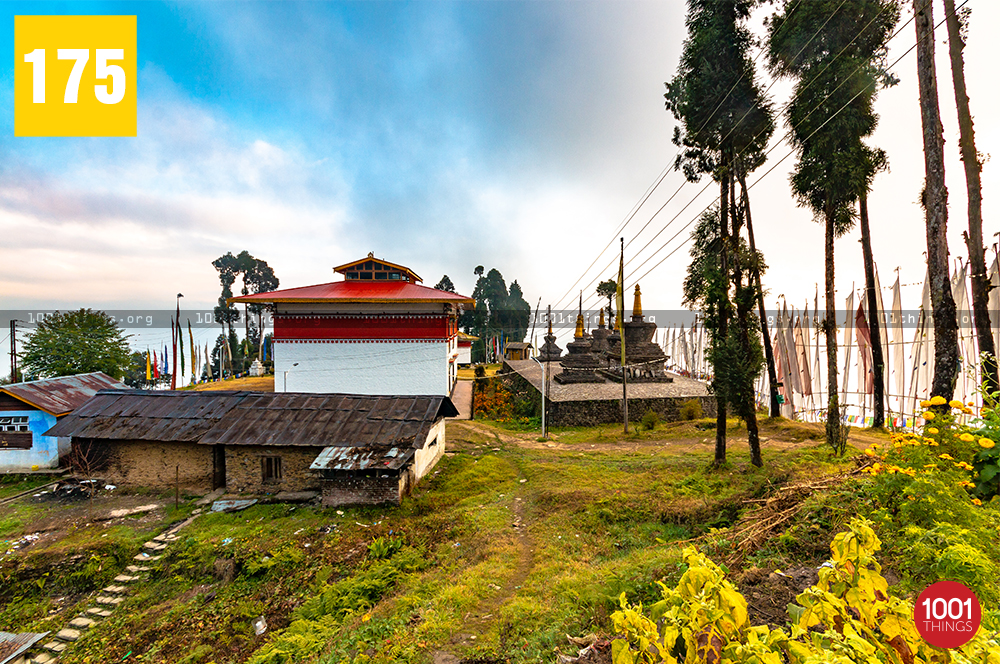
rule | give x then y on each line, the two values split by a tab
976	501
967	411
925	404
946	457
932	430
971	403
955	403
933	443
967	438
929	415
986	443
938	401
930	465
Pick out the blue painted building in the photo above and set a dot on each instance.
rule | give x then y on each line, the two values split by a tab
28	410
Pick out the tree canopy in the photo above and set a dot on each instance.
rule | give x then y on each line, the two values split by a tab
76	342
499	310
445	284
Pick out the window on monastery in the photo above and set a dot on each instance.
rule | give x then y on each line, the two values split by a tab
14	423
351	275
270	469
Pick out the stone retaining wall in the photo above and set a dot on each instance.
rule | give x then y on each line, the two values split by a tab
607	411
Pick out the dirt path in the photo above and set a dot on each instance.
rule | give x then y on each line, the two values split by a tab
783	438
479	620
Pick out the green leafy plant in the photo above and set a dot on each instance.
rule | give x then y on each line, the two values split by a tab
650	420
848	616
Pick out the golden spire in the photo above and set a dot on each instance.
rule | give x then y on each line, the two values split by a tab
601	324
550	319
637	306
579	320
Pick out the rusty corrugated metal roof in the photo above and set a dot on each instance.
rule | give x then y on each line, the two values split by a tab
362	458
258	418
12	645
64	394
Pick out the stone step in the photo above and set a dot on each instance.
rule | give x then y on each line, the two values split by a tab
136	568
146	558
68	634
154	546
110	601
125	578
80	622
160	538
115	590
54	646
100	613
43	658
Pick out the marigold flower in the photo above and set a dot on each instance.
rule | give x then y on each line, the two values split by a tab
976	501
986	443
971	403
933	443
869	452
955	403
932	430
967	438
967	411
946	457
925	404
938	400
929	415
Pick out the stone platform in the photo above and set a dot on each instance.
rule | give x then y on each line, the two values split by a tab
587	404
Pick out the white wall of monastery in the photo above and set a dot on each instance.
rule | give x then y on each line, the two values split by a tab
364	367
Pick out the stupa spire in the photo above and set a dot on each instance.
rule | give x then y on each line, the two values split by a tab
637	305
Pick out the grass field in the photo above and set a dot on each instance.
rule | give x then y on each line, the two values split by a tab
508	546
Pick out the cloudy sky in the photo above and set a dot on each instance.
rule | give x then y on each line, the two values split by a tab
439	135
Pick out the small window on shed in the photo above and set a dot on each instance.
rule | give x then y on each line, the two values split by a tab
270	469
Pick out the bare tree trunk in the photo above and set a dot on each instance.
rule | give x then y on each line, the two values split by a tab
747	404
772	373
874	322
830	329
722	332
935	202
974	238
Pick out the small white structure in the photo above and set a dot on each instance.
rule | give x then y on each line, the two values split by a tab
376	332
256	369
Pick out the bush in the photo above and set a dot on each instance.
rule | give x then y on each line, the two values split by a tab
480	371
848	616
650	420
691	410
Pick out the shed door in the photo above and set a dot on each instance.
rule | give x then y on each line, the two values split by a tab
218	467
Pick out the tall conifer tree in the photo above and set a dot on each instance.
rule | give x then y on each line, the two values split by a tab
725	126
834	50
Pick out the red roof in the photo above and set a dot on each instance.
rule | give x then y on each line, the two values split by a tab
359	291
58	396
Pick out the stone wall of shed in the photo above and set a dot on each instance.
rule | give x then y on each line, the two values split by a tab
153	464
243	468
366	490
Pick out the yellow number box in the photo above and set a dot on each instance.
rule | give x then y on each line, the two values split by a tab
74	76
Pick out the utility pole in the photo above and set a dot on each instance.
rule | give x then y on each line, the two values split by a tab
13	351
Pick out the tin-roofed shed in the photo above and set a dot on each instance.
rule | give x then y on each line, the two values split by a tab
253	442
28	410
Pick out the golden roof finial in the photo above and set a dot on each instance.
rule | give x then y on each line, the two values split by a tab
579	320
637	305
601	324
550	319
